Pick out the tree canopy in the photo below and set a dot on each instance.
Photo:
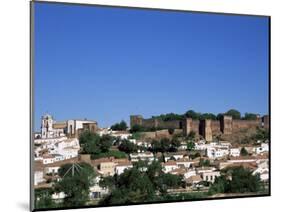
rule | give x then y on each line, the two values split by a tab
127	146
234	113
94	144
75	183
122	126
136	185
236	180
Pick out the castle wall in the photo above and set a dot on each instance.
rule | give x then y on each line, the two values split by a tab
245	124
195	126
148	123
173	124
157	123
207	130
205	127
215	126
266	121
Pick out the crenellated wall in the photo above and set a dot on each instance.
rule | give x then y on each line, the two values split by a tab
154	122
206	128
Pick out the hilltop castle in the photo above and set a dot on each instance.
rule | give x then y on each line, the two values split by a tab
206	127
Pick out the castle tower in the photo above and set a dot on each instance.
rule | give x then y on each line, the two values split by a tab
207	130
187	126
265	120
135	120
226	124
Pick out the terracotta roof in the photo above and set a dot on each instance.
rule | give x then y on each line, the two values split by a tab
127	163
47	156
178	171
264	156
249	165
170	163
38	166
194	178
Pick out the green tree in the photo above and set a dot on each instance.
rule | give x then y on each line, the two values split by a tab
105	142
75	183
108	182
175	144
244	152
192	114
165	145
190	145
191	136
167	181
219	116
155	146
136	128
94	144
171	131
43	198
234	113
154	170
203	162
122	126
250	116
236	180
127	146
132	186
244	181
261	134
207	116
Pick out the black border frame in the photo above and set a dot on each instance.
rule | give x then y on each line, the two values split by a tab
31	108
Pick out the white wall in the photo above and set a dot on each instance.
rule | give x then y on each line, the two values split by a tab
14	88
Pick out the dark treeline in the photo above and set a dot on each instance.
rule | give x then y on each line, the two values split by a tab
200	116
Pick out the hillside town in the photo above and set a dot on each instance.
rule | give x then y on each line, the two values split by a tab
165	158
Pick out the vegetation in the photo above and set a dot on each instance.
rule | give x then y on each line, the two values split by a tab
135	185
250	116
171	131
244	152
43	198
234	113
94	144
192	114
111	153
75	183
203	162
261	134
165	145
236	180
122	126
127	146
169	117
190	145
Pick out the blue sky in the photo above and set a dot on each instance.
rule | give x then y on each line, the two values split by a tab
107	63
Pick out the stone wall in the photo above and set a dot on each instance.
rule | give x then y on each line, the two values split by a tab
216	127
206	128
154	122
245	124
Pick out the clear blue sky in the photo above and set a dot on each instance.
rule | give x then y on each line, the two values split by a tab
107	63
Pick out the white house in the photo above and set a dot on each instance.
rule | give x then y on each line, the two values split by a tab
122	166
38	177
263	172
234	152
141	156
169	166
262	148
215	152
